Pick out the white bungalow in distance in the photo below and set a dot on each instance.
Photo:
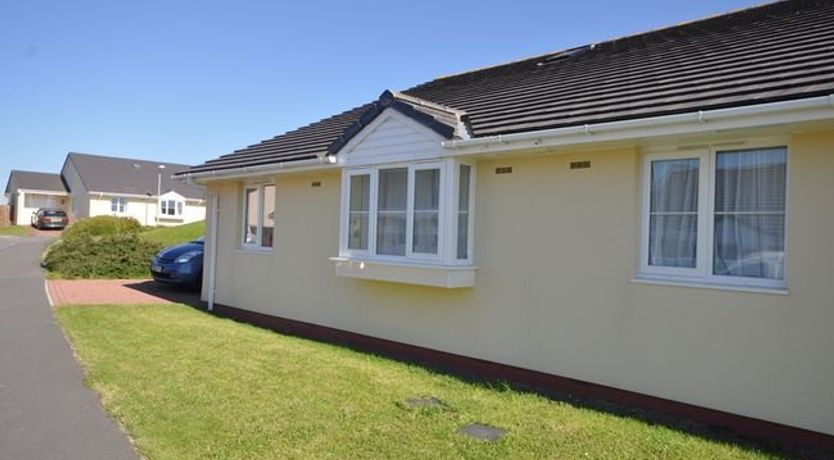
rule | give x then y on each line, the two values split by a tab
95	185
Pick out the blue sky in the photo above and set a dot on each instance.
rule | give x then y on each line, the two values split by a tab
185	81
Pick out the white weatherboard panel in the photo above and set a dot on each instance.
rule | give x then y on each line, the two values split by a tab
392	137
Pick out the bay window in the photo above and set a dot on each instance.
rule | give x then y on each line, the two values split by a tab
170	207
716	216
412	213
258	216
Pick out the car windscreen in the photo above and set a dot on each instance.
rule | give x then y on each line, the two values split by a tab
54	213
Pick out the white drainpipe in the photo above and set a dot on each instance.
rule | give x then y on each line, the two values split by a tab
212	262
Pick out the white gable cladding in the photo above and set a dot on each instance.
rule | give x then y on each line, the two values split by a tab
392	137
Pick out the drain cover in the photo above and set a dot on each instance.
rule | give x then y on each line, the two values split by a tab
424	402
482	432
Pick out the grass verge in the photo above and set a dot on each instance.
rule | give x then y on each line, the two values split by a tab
169	236
186	384
16	230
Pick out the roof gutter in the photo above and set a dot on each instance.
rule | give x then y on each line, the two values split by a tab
324	162
774	113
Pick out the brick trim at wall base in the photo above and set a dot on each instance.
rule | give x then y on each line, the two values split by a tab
486	370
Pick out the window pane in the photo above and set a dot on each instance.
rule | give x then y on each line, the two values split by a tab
463	212
750	213
675	185
750	180
179	208
250	216
360	204
360	192
426	208
269	216
391	210
673	240
750	245
673	213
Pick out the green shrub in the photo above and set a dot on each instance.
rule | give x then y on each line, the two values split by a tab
110	256
101	226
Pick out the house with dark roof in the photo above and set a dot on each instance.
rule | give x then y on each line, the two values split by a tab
96	185
142	189
28	191
645	220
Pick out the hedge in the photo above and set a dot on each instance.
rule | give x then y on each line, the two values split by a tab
101	247
102	226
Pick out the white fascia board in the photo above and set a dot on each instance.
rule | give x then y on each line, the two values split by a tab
326	162
753	116
126	195
42	192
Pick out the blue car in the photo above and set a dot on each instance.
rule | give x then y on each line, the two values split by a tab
181	264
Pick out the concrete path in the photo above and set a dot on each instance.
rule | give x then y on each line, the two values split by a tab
45	410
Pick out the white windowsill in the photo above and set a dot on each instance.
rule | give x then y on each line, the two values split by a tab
260	251
645	279
445	276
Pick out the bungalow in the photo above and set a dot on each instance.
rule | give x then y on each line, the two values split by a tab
647	220
95	185
142	189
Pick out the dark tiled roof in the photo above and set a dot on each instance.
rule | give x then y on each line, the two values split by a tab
328	136
32	180
130	176
770	53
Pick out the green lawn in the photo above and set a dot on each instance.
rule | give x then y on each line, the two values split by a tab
16	230
169	236
186	384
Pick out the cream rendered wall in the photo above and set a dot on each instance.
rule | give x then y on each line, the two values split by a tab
556	250
139	208
193	211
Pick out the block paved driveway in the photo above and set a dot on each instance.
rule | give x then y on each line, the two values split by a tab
91	292
45	410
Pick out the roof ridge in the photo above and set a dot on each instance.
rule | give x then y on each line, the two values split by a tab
110	157
425	102
32	172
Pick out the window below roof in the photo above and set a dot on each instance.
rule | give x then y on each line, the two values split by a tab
118	204
397	218
258	216
716	216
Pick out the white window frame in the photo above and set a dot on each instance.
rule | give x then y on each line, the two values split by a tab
447	214
409	215
259	219
176	205
345	220
470	240
702	273
120	203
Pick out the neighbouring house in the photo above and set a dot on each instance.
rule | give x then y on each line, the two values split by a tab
647	220
28	191
95	185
